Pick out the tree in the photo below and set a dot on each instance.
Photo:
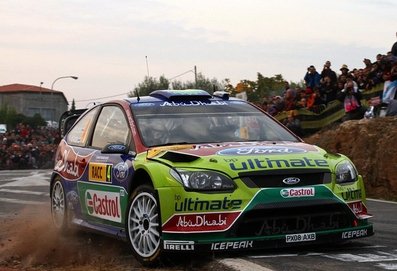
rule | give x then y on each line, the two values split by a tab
270	86
204	83
148	85
73	106
35	121
9	116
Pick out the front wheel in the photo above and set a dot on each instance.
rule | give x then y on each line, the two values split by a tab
143	225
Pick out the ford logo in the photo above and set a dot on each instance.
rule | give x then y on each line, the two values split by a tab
291	180
261	150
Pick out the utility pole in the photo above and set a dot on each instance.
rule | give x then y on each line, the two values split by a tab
147	67
195	75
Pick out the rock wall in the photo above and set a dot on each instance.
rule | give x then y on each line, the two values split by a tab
372	146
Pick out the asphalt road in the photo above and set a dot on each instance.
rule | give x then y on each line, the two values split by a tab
29	188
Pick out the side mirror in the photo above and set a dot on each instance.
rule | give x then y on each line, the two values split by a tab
116	148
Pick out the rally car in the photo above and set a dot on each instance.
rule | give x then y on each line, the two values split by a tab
185	170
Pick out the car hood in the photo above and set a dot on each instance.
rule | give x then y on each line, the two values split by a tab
244	156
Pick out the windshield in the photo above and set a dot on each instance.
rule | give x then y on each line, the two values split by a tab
210	122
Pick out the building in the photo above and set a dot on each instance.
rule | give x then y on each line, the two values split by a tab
29	100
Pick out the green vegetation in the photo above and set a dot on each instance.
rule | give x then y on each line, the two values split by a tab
9	116
256	90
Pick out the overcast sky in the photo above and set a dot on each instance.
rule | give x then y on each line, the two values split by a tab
105	43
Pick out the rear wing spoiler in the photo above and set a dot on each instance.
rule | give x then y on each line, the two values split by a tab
67	120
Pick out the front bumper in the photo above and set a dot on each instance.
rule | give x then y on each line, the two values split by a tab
173	242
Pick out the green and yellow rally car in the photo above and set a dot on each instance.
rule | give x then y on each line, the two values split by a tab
183	170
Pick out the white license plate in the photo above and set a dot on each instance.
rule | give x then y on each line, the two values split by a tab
300	237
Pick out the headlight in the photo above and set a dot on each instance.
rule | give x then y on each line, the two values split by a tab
202	180
345	172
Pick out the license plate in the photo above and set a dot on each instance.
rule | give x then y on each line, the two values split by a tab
300	237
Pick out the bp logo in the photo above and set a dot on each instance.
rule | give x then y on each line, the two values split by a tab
89	202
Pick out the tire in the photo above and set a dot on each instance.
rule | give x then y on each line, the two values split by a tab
59	212
143	225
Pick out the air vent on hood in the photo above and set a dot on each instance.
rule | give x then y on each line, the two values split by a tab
177	157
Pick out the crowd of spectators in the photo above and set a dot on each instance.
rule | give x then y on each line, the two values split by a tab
347	86
27	148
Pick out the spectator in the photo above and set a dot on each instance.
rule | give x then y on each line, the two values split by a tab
313	100
368	65
389	88
344	73
394	48
286	88
265	106
293	123
289	100
361	80
327	71
328	90
351	102
312	77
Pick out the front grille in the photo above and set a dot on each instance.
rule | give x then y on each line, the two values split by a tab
274	178
294	217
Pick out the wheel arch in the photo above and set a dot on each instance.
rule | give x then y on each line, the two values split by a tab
140	177
54	177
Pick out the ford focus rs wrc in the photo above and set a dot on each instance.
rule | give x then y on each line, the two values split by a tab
183	170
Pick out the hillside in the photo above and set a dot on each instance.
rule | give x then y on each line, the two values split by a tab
372	146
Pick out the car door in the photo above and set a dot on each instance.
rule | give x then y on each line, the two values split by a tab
103	194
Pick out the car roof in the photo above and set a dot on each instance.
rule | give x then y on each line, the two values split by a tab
180	95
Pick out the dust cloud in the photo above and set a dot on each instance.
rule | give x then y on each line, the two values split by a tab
28	239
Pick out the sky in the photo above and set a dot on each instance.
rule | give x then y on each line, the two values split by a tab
112	45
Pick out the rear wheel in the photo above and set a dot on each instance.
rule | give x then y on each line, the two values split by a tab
143	225
58	206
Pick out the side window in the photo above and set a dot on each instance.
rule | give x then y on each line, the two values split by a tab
111	127
78	135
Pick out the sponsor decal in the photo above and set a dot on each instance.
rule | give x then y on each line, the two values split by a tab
351	195
100	172
101	158
358	208
354	234
193	103
261	150
105	205
117	147
300	237
178	245
267	163
189	204
70	164
291	180
297	192
232	245
120	171
206	222
155	151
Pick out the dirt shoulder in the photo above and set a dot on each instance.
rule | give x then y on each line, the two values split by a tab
371	145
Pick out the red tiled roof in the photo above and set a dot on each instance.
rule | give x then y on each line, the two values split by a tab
26	88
